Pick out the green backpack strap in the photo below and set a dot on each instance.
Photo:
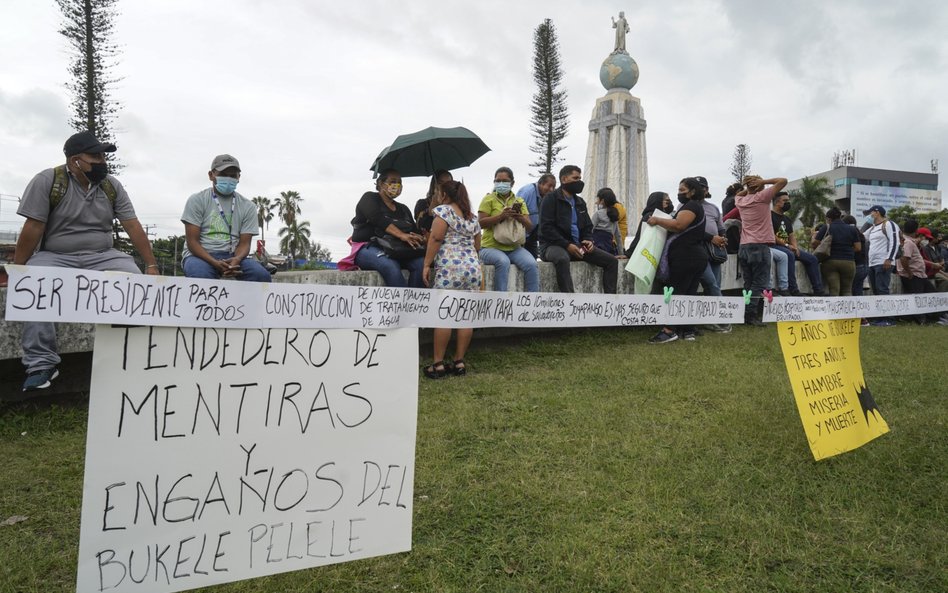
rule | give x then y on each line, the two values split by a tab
61	184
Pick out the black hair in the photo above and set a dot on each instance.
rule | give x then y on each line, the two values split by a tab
910	226
547	177
849	219
732	190
612	213
783	193
457	193
833	213
384	175
693	184
434	182
607	196
506	170
569	170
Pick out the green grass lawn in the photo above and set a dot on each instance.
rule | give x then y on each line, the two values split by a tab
591	461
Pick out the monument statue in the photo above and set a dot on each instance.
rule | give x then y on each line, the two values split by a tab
622	27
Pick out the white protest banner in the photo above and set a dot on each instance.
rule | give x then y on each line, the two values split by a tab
216	455
63	294
87	296
823	308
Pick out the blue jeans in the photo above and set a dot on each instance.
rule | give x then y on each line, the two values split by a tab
781	268
810	264
501	261
195	267
711	280
879	279
371	257
859	279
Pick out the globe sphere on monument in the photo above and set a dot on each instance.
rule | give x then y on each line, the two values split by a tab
619	71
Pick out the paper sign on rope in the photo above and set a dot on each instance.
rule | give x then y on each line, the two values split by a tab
836	406
216	455
80	296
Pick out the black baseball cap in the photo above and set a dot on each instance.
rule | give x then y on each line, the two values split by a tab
701	180
878	209
86	142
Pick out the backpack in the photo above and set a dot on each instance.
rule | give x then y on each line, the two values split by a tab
61	184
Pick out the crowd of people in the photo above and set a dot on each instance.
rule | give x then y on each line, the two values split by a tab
443	243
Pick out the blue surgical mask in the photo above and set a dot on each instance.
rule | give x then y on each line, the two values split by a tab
502	187
869	219
225	185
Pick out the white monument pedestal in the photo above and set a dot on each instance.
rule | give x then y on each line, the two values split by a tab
615	155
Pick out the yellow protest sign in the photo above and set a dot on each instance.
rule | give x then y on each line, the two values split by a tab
838	411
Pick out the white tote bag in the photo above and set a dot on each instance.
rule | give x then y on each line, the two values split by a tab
648	252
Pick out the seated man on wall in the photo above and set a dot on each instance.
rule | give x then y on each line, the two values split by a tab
218	226
566	233
786	241
69	211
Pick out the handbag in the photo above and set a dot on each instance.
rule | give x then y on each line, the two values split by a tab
397	249
717	254
822	252
510	232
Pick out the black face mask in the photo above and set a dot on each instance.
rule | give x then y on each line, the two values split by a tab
668	209
683	198
785	207
574	187
97	173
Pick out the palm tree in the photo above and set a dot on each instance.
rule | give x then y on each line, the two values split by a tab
288	206
295	238
265	210
809	203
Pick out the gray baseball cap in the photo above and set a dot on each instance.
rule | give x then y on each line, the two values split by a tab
224	161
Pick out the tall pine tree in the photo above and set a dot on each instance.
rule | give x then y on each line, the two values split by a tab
87	26
549	122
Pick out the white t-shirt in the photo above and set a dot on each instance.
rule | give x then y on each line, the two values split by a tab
883	240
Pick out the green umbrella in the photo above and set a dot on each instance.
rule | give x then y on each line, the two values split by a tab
422	153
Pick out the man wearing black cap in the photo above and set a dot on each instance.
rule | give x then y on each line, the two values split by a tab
69	211
218	226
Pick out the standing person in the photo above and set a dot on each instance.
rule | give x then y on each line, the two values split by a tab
69	211
713	235
496	207
566	233
657	200
730	194
423	207
883	239
685	252
532	194
605	221
859	258
757	237
377	215
219	224
786	241
840	268
453	244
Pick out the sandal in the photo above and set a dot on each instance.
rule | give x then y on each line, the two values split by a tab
435	371
459	368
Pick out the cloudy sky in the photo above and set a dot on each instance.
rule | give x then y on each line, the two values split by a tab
306	93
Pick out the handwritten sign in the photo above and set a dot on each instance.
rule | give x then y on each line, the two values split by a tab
836	407
219	454
821	308
63	294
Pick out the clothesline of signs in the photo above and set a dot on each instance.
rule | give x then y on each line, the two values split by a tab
82	296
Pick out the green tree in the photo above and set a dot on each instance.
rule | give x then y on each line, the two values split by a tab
319	253
288	206
549	120
168	254
295	239
810	202
741	164
265	210
87	26
936	222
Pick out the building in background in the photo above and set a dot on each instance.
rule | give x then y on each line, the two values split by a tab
858	188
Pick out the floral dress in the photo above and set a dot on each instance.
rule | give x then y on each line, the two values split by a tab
456	265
